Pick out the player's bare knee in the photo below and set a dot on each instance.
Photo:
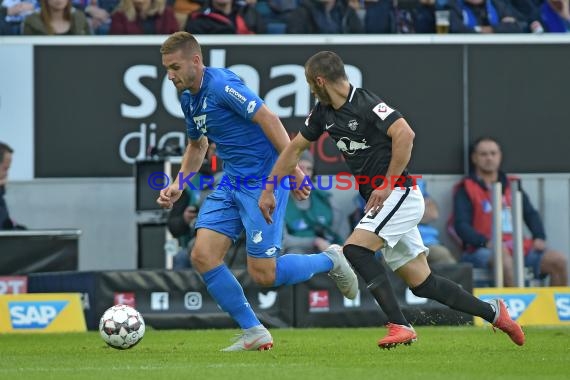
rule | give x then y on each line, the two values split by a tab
203	261
262	276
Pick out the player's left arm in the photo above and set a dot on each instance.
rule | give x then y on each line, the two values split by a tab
402	137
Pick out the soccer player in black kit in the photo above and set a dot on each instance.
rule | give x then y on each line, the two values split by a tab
376	141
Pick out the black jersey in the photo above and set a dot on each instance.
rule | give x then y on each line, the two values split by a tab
359	129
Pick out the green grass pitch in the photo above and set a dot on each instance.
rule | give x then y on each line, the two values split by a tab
323	354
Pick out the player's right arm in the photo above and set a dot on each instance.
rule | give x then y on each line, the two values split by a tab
191	163
285	164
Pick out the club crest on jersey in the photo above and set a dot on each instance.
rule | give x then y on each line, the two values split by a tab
256	236
353	124
382	110
346	145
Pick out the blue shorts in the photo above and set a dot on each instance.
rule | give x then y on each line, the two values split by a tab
481	258
230	209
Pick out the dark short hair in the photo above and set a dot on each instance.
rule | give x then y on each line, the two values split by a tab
327	64
3	149
475	144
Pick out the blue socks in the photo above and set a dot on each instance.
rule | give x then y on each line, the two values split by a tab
228	293
293	268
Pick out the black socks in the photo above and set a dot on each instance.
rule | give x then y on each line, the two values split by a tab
449	293
376	277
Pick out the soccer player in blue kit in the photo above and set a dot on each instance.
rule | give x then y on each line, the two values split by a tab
218	106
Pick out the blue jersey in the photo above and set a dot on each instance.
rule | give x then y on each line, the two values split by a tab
222	111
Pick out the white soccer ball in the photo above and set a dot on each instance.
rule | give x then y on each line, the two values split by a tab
121	327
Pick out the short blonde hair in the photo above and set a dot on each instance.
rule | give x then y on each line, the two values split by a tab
181	41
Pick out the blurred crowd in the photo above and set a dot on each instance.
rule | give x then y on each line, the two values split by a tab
120	17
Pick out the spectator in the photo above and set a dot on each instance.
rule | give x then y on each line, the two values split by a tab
182	8
6	223
308	223
56	17
324	17
529	11
143	17
98	13
226	17
483	16
473	220
438	253
402	17
12	14
278	10
555	16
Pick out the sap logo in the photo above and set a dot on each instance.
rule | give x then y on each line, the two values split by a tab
266	300
516	303
562	301
34	315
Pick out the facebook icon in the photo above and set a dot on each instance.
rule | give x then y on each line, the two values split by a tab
159	301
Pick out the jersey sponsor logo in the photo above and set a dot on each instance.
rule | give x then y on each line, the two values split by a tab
327	126
34	315
235	94
382	110
200	122
346	145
